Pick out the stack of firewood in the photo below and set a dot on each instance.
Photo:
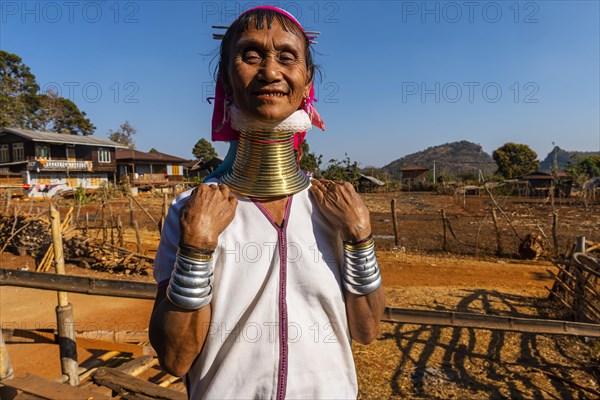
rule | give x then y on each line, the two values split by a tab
24	234
104	257
30	235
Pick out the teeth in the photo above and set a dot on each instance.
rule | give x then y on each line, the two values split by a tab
273	94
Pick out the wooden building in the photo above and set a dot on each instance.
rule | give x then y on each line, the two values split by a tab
538	183
413	174
47	162
197	169
149	169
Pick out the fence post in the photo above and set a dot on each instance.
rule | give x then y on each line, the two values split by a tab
64	310
445	238
395	222
120	231
130	212
499	249
8	198
137	236
554	233
6	370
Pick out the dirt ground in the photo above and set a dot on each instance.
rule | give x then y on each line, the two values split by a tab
405	361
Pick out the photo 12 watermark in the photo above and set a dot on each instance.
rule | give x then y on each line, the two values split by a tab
470	92
452	12
94	92
306	12
21	332
52	12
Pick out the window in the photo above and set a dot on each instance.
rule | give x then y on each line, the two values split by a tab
18	152
103	155
42	150
4	156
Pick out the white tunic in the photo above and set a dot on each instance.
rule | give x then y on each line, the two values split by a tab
278	327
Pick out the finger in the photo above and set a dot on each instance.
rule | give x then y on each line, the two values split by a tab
225	191
233	200
317	194
318	184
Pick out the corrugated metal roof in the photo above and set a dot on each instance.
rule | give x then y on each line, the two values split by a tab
372	179
51	137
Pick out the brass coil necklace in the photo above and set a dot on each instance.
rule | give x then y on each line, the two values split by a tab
265	166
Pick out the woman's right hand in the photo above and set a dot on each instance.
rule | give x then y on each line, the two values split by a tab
209	210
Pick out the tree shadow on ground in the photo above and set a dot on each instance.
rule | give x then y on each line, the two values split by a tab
495	365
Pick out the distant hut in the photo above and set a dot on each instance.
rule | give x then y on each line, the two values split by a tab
538	183
201	169
369	184
411	175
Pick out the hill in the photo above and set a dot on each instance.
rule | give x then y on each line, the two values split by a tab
450	159
563	157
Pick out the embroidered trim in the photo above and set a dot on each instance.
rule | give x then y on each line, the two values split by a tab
283	317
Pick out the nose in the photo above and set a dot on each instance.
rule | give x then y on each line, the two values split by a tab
269	71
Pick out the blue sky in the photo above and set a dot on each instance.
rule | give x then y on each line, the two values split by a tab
398	76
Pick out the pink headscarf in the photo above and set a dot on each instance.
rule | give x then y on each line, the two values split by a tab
221	125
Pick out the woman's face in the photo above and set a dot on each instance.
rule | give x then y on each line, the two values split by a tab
267	72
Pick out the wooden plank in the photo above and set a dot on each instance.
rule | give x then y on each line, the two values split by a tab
492	322
134	364
77	284
51	390
118	381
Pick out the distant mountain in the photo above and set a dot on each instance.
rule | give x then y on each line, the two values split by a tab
562	158
450	159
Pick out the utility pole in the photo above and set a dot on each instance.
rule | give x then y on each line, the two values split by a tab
554	160
434	172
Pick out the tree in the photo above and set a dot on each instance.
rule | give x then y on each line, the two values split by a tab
123	135
153	150
57	114
204	151
590	166
514	160
580	170
23	107
345	170
18	89
309	161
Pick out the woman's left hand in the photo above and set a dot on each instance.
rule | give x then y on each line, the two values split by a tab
343	208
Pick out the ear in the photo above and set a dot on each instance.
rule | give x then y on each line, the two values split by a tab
306	90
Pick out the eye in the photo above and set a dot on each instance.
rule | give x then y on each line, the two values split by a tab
251	56
287	57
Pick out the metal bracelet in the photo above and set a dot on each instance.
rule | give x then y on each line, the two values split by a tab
189	292
364	289
186	302
359	259
359	254
361	267
188	282
193	261
193	274
362	281
358	273
195	267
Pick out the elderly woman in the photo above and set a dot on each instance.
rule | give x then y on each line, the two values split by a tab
265	277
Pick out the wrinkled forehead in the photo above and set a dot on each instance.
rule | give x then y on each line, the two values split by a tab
264	22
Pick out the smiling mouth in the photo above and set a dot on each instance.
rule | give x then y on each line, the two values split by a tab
269	94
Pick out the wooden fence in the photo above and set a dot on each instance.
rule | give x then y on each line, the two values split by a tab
577	284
